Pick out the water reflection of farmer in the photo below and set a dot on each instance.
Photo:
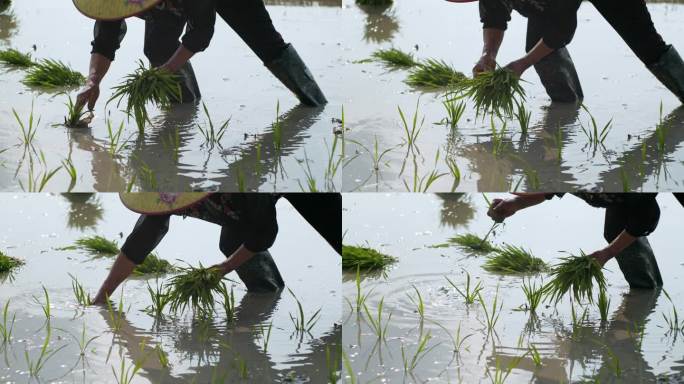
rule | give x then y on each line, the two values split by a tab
248	229
551	26
630	218
165	21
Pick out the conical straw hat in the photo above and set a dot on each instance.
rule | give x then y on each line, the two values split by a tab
113	9
161	203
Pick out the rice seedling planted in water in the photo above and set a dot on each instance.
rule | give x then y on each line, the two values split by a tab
595	135
491	315
76	116
147	85
212	135
194	287
497	92
454	111
473	242
575	273
533	293
511	259
28	130
228	301
6	327
360	296
49	73
9	263
672	320
411	362
15	58
45	354
159	298
153	265
394	58
81	295
603	303
469	292
301	323
376	323
434	74
368	259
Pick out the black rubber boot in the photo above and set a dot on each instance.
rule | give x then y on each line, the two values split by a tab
669	70
260	274
190	91
559	77
293	73
639	266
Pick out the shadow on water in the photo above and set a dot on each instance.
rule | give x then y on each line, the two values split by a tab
457	209
85	210
8	24
381	24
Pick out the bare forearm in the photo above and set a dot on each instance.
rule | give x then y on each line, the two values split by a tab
121	269
99	66
537	53
492	41
526	200
239	257
619	244
179	58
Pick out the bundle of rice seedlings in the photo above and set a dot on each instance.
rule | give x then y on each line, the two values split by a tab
498	92
375	2
473	242
147	85
575	273
15	58
194	287
434	74
9	263
153	265
394	58
96	245
76	117
368	259
512	259
49	73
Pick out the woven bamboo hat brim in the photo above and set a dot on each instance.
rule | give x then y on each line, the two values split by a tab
113	9
161	203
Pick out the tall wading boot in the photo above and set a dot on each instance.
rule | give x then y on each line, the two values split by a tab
639	266
669	70
293	73
260	274
189	87
559	77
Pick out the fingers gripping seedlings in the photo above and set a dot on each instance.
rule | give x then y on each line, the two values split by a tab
575	273
497	92
76	116
194	287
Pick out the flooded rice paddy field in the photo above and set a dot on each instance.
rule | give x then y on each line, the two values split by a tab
616	86
198	351
633	346
172	154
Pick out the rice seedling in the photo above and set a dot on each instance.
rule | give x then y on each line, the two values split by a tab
595	134
310	178
500	375
360	296
348	367
533	293
661	132
153	265
9	263
45	307
423	183
115	145
6	327
498	139
459	340
277	128
264	333
497	92
558	139
194	287
672	319
159	299
394	58
523	116
116	315
376	323
127	373
577	321
332	363
96	244
162	356
364	258
333	164
511	259
412	131
28	130
228	301
46	353
491	316
454	111
375	3
532	178
473	242
146	85
536	356
469	292
75	117
301	323
613	362
637	332
603	303
434	74
575	273
38	181
241	366
81	295
455	172
69	166
50	74
212	135
411	362
82	340
15	58
418	302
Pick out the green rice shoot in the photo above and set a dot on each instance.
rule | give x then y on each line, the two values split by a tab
15	58
510	259
434	73
153	265
474	243
146	85
9	263
394	58
368	259
75	115
498	92
50	74
194	287
96	245
575	274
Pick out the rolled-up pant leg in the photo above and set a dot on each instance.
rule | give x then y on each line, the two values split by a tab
637	262
556	71
260	273
162	33
323	211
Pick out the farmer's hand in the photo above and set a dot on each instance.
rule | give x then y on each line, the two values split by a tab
486	63
602	256
225	268
88	95
502	209
518	66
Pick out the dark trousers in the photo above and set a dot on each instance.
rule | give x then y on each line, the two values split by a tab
637	262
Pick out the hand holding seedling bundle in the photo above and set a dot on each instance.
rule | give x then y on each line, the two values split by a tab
496	91
576	273
194	287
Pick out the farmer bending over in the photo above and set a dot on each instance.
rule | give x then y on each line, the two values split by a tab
248	229
551	26
165	21
630	217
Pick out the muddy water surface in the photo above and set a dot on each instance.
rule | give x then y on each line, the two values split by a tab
198	351
406	226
